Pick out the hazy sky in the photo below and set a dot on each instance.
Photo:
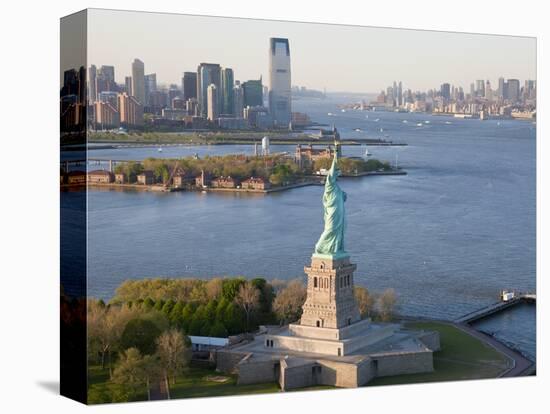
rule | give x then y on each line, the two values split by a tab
338	58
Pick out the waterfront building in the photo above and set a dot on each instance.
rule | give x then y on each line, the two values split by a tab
203	180
224	182
279	81
238	100
100	176
212	102
226	122
255	183
138	81
253	93
106	115
227	91
182	178
120	178
146	178
189	85
306	155
76	177
513	94
130	109
258	117
207	74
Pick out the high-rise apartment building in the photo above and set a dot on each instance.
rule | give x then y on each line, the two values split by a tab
207	74
138	80
150	82
130	110
128	85
279	81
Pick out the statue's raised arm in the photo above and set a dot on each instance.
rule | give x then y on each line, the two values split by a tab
331	241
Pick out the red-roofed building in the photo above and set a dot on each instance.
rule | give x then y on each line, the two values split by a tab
100	176
255	183
224	182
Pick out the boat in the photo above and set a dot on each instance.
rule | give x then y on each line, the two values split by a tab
357	129
343	110
426	122
405	121
329	114
381	129
159	149
377	119
419	124
448	122
367	153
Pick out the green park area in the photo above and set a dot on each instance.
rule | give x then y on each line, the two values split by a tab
461	357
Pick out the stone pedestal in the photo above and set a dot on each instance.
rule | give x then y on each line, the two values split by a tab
330	301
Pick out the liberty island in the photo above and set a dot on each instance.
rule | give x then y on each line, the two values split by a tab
331	344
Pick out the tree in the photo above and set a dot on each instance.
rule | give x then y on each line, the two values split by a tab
174	350
176	314
230	288
218	330
248	299
105	326
141	334
214	288
387	302
132	374
266	293
232	318
289	300
365	301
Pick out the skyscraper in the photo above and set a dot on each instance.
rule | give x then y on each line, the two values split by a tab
238	100
189	85
488	91
130	110
446	91
253	93
279	81
501	88
513	90
150	82
138	80
207	74
92	75
480	88
227	91
128	85
212	100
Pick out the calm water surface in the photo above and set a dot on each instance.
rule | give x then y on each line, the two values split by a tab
448	236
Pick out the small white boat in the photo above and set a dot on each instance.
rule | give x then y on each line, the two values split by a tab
448	122
357	129
405	121
377	119
426	122
367	153
159	149
381	129
419	124
343	110
329	114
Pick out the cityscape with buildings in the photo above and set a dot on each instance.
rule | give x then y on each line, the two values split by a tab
213	98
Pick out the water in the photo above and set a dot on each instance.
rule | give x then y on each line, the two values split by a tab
448	236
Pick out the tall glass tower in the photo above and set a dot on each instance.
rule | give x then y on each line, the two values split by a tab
279	81
227	91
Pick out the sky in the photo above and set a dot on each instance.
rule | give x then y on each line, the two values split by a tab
336	57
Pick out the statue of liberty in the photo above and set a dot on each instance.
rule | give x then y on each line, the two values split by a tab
331	241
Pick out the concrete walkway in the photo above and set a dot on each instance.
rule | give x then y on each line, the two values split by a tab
521	366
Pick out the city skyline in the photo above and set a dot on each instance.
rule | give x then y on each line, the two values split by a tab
421	59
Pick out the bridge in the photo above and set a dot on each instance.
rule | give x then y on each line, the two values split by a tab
515	299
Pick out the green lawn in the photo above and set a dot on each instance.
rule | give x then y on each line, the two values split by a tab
196	384
461	357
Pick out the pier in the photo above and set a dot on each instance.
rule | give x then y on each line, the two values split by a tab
508	299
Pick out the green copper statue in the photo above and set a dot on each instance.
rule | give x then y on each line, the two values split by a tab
331	242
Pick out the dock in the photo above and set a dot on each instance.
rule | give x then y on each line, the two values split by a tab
515	299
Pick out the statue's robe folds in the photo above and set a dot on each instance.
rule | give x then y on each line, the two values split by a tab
331	241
